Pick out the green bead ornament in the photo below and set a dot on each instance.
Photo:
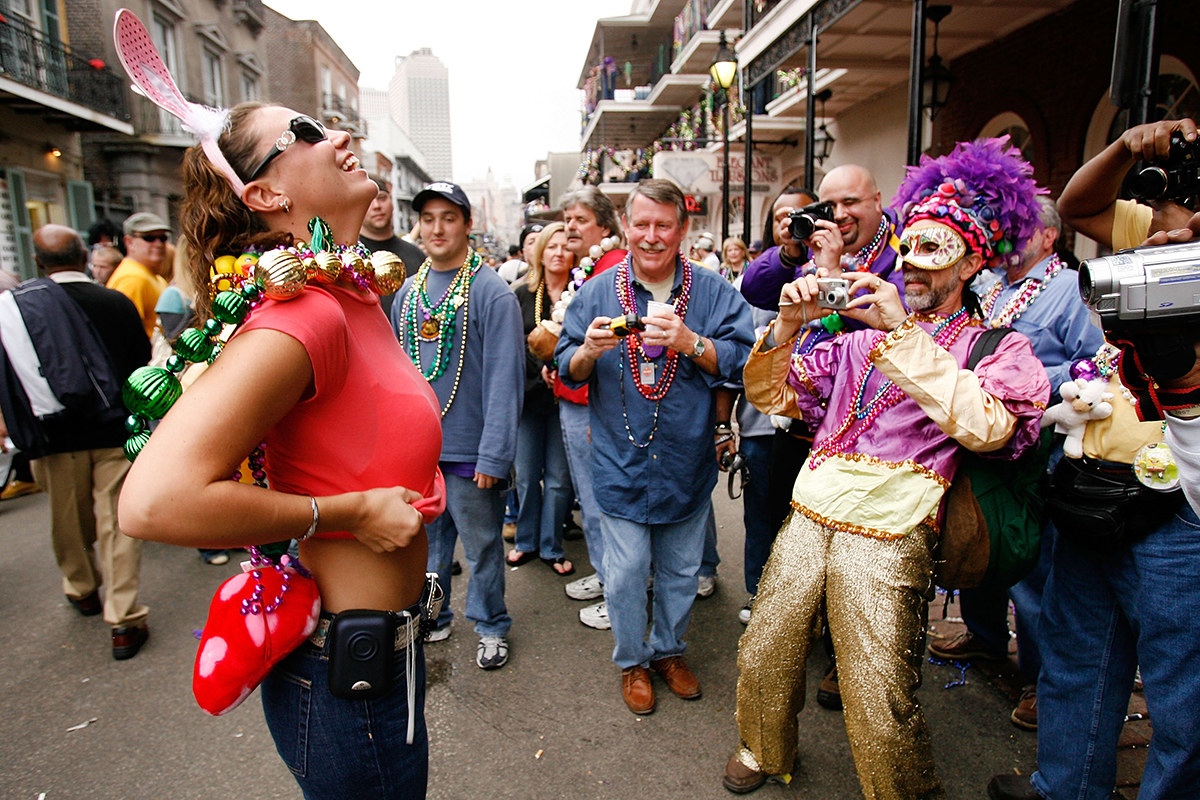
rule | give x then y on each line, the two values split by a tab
274	550
230	308
194	345
1004	247
150	391
250	291
135	443
176	363
322	237
212	327
134	424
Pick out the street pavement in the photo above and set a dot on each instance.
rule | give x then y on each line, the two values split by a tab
551	724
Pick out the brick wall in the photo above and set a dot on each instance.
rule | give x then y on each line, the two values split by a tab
1054	74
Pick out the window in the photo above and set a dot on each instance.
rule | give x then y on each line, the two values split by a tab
214	80
249	87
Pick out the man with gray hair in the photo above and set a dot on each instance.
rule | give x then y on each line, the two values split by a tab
592	226
653	457
1038	296
66	348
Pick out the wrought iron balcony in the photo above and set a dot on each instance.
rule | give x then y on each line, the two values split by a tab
29	57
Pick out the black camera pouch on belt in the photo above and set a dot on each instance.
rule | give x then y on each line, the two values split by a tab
1100	505
361	648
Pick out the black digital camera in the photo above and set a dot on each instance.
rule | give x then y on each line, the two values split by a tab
1176	178
804	220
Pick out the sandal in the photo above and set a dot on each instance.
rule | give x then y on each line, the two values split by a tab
522	558
560	565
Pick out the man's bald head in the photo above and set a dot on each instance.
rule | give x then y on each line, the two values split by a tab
57	248
858	206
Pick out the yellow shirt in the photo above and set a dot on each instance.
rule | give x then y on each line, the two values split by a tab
135	280
1131	224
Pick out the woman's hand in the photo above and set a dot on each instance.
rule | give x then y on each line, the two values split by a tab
389	520
881	308
548	376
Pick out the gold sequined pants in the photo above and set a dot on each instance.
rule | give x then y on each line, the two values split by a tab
875	595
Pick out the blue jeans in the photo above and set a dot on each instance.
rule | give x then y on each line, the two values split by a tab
477	516
578	444
709	559
1103	615
629	550
759	533
543	485
346	748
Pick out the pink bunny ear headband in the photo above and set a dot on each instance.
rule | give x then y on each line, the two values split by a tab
153	80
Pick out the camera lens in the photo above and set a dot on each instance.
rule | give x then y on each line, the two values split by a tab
1150	183
802	226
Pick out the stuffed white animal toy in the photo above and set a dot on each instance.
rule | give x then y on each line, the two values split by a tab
1082	400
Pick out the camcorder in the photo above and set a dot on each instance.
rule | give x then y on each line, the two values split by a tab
1146	288
1176	178
833	293
804	220
1148	301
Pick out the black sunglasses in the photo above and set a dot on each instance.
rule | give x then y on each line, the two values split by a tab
304	128
153	237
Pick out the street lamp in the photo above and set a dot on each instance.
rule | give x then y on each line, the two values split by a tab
937	78
822	139
724	71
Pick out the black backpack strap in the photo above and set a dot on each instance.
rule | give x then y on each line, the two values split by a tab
985	345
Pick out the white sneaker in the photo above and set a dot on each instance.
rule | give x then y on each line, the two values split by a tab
588	588
492	652
595	616
744	614
706	585
439	634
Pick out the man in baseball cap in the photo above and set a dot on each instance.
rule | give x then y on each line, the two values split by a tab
446	190
138	276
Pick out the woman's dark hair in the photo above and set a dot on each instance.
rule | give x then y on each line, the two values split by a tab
768	237
105	227
213	219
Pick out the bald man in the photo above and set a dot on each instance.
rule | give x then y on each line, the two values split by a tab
69	419
862	237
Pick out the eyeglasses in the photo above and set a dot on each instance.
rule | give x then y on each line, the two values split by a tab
304	128
153	237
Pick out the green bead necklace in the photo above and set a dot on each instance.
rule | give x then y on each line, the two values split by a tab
426	321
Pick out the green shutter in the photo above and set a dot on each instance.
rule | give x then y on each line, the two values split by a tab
22	232
81	206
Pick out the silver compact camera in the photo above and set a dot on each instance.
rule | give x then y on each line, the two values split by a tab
1145	285
833	293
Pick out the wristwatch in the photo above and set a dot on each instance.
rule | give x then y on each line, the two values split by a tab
697	348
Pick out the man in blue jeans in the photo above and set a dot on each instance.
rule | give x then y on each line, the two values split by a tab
443	316
652	421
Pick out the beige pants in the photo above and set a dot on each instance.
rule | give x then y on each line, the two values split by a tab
875	595
83	488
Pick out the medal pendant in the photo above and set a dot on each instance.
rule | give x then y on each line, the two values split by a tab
430	329
646	373
1154	467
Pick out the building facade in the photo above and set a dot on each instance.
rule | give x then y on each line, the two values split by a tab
419	98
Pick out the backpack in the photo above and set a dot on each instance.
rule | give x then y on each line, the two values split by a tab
995	509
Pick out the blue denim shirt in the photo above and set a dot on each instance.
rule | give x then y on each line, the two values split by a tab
666	481
1057	322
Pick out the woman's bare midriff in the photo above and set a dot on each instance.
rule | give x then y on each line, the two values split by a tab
349	575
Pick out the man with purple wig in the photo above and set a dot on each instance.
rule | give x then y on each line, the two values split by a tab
894	408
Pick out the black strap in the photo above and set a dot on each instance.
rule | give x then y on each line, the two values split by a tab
985	345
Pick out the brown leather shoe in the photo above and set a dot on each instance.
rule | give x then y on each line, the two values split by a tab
963	647
128	640
829	694
1025	714
741	779
636	690
88	605
678	677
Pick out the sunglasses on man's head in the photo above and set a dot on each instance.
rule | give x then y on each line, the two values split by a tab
153	237
304	128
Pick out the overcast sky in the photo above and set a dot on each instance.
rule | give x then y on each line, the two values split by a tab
513	67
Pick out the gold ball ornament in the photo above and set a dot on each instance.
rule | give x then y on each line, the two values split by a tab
327	266
281	274
224	265
387	272
353	261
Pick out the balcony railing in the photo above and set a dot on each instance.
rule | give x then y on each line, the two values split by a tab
758	10
29	57
688	22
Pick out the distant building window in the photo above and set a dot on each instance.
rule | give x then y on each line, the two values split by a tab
214	79
1015	128
249	87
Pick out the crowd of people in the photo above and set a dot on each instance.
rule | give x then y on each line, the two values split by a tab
617	363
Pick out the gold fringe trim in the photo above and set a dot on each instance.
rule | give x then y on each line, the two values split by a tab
861	530
909	464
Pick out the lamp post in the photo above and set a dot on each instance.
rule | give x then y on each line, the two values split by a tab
937	78
822	139
723	71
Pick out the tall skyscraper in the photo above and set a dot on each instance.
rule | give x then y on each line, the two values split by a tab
419	96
